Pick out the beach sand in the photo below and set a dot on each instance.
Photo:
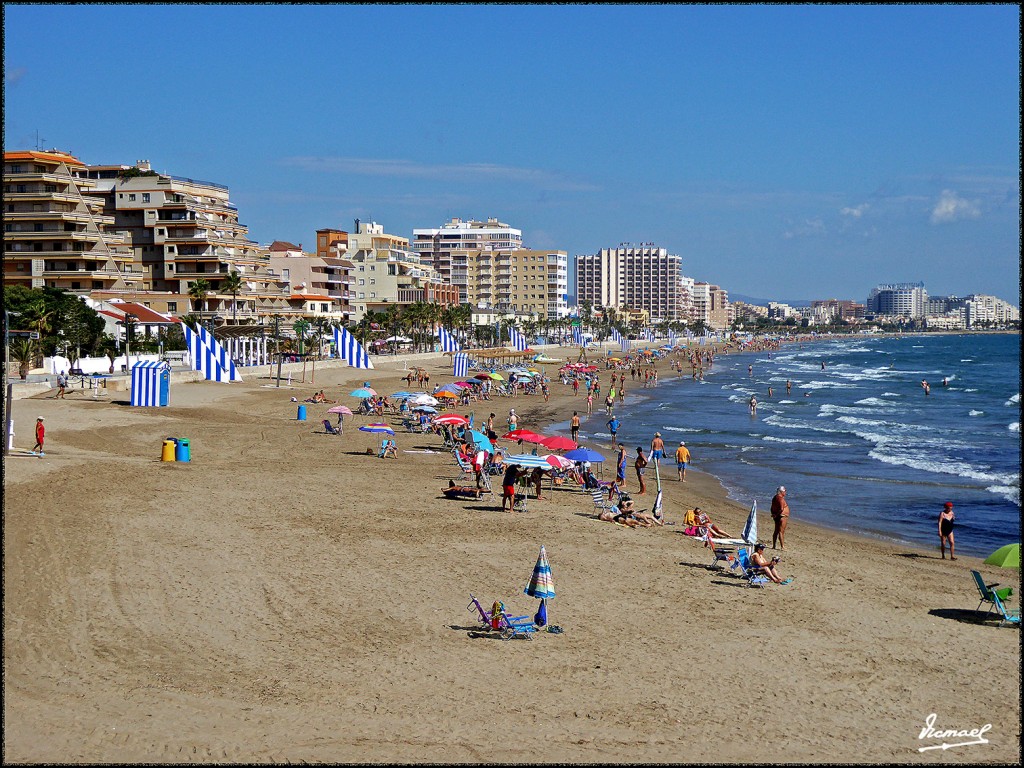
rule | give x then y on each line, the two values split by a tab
285	597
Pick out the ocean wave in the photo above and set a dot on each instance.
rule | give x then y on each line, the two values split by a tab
891	394
1010	492
827	385
787	402
686	429
914	459
1015	400
815	443
975	413
1014	427
874	401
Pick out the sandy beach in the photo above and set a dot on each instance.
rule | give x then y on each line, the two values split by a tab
285	597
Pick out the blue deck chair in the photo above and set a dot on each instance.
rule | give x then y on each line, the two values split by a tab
330	428
1010	615
387	447
507	626
753	576
986	591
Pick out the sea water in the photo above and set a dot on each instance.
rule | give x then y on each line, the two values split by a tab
857	443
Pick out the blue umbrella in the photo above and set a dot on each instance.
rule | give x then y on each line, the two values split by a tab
363	393
449	388
584	454
425	409
401	395
481	440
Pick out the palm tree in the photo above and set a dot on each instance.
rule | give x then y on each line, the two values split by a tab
232	284
24	353
198	290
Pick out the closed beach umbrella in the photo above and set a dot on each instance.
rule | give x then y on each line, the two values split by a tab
402	395
340	409
451	419
541	586
1005	557
559	443
528	460
750	529
584	454
363	392
381	428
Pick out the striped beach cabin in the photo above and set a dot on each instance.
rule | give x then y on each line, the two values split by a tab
151	383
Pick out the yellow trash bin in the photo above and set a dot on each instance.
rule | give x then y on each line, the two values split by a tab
168	451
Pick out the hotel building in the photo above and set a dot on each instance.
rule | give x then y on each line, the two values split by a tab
892	299
637	277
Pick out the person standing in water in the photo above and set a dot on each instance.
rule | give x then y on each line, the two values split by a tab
946	517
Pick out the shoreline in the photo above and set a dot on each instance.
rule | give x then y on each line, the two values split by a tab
283	596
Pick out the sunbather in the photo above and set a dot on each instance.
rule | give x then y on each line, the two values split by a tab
389	449
642	516
616	515
764	565
698	520
454	491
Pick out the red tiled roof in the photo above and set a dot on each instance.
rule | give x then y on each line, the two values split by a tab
54	157
283	245
145	315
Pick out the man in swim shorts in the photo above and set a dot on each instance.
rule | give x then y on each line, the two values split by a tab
682	457
657	448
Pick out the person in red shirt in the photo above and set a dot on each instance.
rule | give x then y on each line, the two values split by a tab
40	436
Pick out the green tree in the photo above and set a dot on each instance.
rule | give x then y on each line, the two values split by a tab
233	284
198	290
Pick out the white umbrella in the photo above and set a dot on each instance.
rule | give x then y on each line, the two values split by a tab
750	529
424	400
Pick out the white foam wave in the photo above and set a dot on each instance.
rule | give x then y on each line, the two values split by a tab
680	429
910	457
891	394
787	402
1014	427
827	385
1008	491
975	413
1015	400
874	401
815	443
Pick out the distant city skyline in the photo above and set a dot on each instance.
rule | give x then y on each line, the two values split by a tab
781	151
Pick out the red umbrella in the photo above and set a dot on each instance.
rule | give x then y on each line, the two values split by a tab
523	434
450	419
559	443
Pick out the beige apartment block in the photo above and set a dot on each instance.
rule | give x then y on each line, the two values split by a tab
636	277
181	230
56	234
711	304
451	248
319	285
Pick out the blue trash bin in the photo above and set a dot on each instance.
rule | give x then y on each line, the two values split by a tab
182	451
301	415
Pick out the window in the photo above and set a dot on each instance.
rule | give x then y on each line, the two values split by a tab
362	281
325	307
131	197
172	306
161	231
145	197
373	294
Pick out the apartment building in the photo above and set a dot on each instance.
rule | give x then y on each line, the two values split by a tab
827	310
711	304
524	281
319	285
906	299
635	276
56	233
451	248
387	272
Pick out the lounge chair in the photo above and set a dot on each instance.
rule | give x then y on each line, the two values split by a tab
500	621
987	592
753	576
1010	615
388	448
464	466
330	428
724	550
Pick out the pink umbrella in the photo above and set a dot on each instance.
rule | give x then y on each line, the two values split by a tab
559	443
340	409
558	462
463	384
451	418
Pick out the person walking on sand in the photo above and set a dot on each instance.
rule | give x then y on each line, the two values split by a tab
620	467
780	514
574	427
946	517
657	448
40	436
640	465
682	459
62	384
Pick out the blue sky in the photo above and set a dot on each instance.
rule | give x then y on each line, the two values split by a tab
785	152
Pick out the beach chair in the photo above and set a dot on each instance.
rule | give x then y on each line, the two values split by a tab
987	592
500	621
330	428
388	448
600	504
753	576
1010	615
464	466
410	425
723	550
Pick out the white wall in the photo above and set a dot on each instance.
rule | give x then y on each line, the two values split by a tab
58	364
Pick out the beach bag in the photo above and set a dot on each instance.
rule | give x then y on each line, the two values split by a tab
496	611
541	618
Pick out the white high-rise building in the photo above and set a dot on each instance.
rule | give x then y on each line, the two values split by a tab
907	299
642	277
450	249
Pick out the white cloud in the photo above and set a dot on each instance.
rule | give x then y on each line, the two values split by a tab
855	212
952	207
470	172
809	228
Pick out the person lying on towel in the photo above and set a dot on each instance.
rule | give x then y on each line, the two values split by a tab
454	491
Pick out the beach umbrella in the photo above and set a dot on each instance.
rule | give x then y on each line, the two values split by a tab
541	586
584	454
750	529
449	388
451	419
425	408
382	428
481	440
556	461
528	460
559	443
463	384
1005	557
523	434
340	409
482	376
447	395
403	395
424	400
363	392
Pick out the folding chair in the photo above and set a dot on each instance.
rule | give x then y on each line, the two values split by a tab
330	428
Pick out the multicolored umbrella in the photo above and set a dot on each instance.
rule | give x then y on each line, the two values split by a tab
528	460
559	443
340	409
382	428
451	388
558	462
447	395
541	584
1005	557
